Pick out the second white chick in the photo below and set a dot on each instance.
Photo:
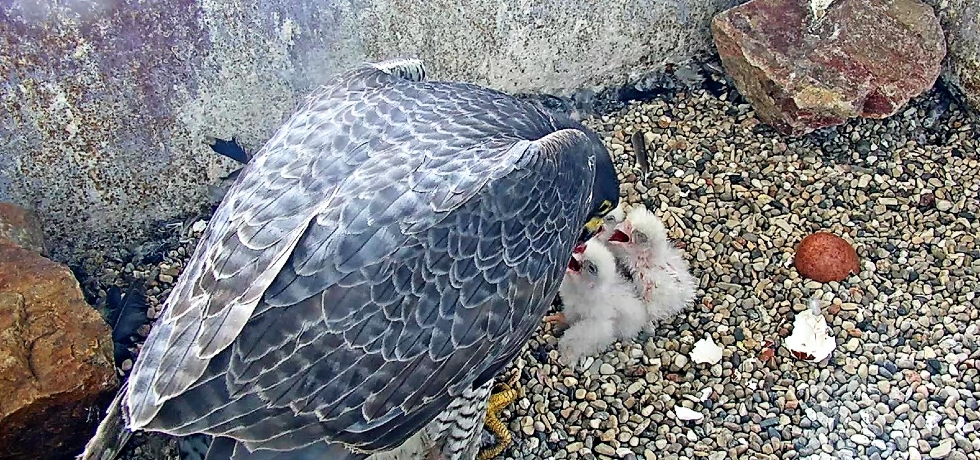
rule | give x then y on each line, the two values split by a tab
600	305
660	273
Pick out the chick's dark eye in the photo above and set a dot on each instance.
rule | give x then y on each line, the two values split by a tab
592	269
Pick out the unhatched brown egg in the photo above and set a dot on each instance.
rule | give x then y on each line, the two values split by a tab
826	257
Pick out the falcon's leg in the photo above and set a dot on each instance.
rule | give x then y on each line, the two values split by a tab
456	430
498	401
409	69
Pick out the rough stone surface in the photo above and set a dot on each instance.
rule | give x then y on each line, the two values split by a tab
21	227
802	71
961	70
106	106
55	358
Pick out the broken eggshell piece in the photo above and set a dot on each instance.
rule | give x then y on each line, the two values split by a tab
706	351
811	339
684	413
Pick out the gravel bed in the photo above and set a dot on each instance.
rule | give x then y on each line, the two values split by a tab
738	197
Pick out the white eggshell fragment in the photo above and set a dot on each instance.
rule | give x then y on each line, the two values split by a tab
811	339
684	413
706	351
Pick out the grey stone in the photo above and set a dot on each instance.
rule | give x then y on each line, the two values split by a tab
942	450
961	69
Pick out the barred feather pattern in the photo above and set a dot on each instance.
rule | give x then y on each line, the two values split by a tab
457	430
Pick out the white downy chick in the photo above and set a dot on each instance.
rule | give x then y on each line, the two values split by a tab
660	273
600	305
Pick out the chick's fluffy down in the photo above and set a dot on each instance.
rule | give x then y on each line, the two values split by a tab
660	274
600	305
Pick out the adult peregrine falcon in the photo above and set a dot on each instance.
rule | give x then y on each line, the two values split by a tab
385	254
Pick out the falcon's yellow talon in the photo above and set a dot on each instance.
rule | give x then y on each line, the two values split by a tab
505	395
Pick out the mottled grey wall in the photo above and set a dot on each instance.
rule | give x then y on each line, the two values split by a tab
107	104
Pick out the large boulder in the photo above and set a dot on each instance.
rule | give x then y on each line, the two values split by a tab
56	367
961	23
804	65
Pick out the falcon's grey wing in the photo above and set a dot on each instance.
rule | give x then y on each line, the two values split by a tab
228	449
415	234
451	307
250	236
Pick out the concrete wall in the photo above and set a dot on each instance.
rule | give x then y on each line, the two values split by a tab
106	105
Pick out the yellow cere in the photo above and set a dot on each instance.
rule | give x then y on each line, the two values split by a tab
593	224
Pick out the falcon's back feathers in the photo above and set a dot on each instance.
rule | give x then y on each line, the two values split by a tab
395	243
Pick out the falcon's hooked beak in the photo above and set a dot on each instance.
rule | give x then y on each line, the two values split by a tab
592	228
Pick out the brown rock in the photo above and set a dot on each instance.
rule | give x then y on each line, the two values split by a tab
21	227
826	257
56	365
803	71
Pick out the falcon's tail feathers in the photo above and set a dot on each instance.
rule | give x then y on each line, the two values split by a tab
194	446
112	433
409	69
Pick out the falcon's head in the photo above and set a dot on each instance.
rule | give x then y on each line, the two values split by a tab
605	192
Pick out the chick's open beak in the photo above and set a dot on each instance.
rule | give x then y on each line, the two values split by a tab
619	236
574	264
